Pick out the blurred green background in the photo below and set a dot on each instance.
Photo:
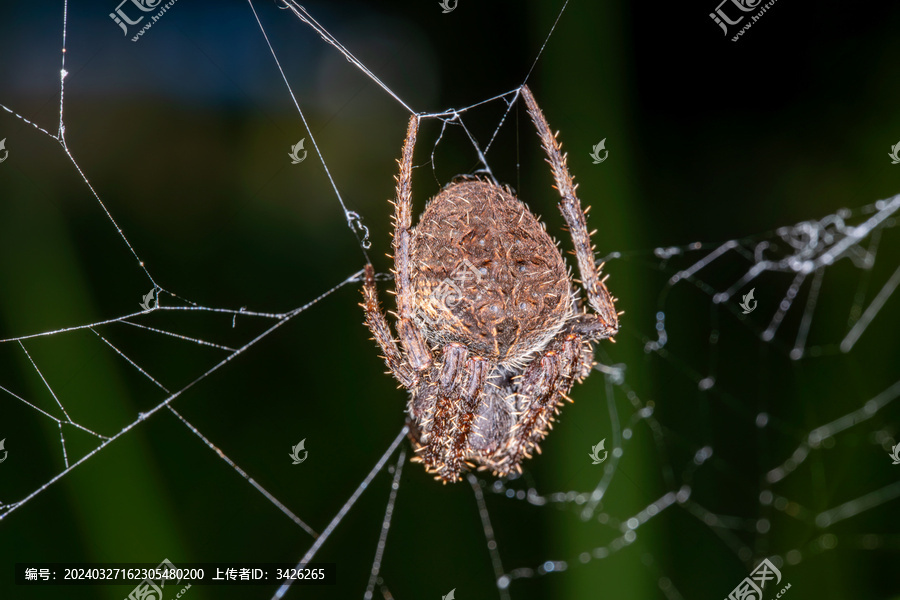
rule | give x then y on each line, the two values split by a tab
184	135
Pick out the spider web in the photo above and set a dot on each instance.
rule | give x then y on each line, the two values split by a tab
135	434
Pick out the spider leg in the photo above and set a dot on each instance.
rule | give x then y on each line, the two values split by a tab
589	326
461	379
418	352
436	416
598	296
544	385
464	414
455	356
379	327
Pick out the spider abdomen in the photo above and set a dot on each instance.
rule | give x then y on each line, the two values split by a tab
486	274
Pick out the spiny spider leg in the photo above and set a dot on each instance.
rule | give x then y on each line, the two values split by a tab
541	385
379	327
570	206
443	428
418	353
464	412
440	419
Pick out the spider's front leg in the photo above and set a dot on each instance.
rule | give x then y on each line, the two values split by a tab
598	296
544	385
418	352
448	410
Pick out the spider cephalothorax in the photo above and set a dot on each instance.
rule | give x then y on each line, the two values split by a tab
492	328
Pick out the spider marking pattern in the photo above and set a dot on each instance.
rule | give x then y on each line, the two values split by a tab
487	374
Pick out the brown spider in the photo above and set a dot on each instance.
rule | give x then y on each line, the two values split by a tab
493	329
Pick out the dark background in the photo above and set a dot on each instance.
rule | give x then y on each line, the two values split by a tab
184	137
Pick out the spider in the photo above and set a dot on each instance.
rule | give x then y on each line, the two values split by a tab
492	329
